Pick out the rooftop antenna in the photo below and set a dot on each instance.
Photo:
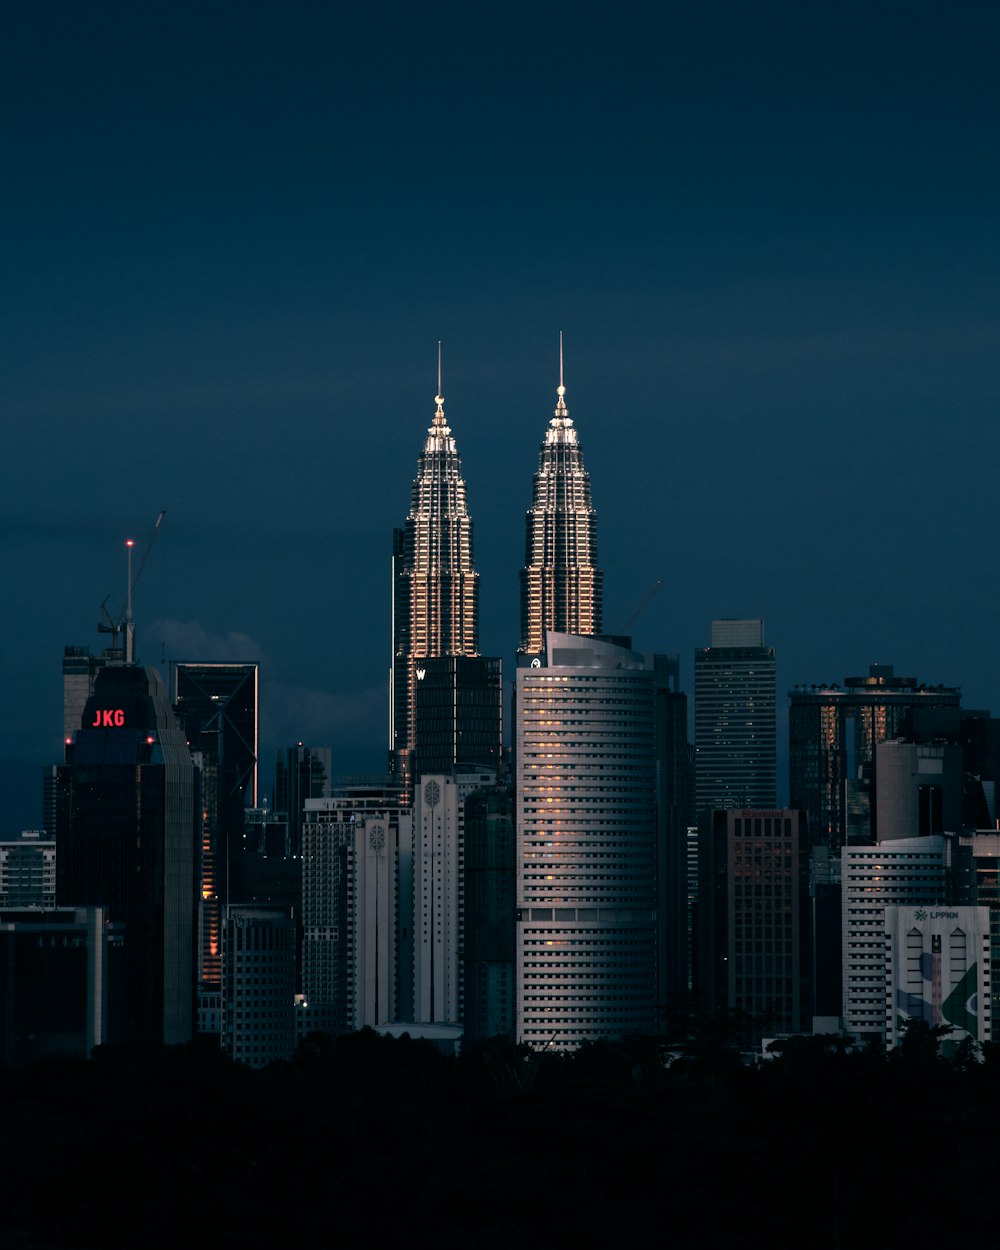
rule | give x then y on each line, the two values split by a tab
561	409
129	619
562	388
115	626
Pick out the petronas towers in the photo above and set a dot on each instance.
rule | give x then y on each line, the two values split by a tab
561	585
435	610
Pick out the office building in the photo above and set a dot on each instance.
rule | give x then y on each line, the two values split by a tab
300	773
586	945
28	870
937	970
258	984
735	719
674	813
490	900
920	788
80	669
60	970
435	598
754	943
561	586
354	894
125	841
458	714
832	735
217	705
905	872
439	892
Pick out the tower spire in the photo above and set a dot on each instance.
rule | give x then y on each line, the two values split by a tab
561	412
439	398
561	583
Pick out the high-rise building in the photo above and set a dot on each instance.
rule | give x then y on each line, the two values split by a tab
561	586
754	947
28	870
919	788
125	839
80	668
435	604
937	970
674	812
217	706
458	718
490	894
258	946
439	892
735	733
300	773
586	946
832	735
908	872
354	907
59	974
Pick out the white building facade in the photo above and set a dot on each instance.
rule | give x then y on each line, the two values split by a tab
586	842
439	892
937	969
901	872
350	864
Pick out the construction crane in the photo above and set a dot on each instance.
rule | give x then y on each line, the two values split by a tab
642	604
125	619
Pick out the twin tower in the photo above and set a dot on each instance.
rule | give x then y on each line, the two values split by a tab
435	610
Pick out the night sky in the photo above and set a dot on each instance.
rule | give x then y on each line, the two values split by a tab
233	235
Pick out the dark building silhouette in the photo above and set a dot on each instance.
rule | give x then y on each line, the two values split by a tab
754	944
300	773
125	839
490	899
458	713
832	735
735	734
258	946
674	814
217	706
60	971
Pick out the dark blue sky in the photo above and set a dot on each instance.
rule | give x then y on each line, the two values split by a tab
232	239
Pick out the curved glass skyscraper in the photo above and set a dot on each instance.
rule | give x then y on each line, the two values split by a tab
561	585
435	589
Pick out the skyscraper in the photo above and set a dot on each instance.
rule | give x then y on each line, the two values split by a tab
435	605
734	719
561	585
458	712
300	773
832	736
355	907
754	947
586	945
217	705
125	835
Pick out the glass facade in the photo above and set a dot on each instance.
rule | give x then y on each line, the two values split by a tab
125	841
832	735
734	720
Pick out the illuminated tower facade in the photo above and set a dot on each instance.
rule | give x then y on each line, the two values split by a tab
435	605
561	585
586	843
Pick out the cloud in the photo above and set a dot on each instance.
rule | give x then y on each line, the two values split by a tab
190	640
319	718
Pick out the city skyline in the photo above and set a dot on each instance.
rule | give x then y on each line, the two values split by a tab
770	244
